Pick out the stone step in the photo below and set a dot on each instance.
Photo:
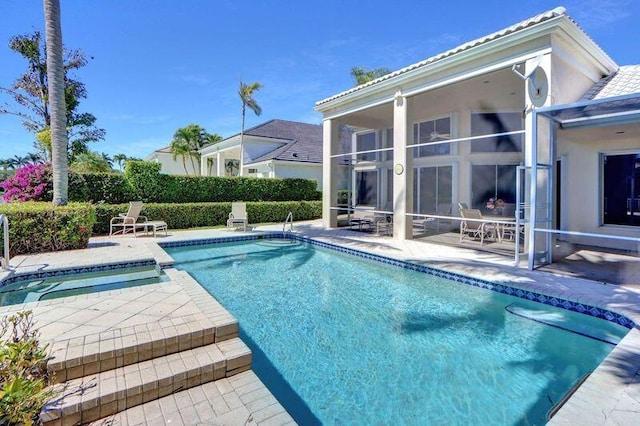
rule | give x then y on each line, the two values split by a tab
75	358
239	400
93	397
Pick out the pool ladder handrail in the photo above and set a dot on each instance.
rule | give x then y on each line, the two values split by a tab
288	220
4	260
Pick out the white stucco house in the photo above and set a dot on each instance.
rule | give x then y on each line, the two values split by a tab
274	149
171	166
536	114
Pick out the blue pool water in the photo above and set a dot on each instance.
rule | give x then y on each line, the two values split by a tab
343	340
35	289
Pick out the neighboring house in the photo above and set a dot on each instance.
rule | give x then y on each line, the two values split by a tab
171	166
274	149
466	125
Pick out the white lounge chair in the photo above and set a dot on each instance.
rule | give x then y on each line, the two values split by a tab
470	226
129	221
238	216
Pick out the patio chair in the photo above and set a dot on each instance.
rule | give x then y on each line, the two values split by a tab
238	216
474	228
129	221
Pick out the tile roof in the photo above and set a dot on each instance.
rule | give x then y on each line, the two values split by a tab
305	140
546	16
624	82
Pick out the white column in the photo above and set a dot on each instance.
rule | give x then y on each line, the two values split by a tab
402	171
204	162
330	142
219	164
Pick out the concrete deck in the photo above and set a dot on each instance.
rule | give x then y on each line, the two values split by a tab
611	395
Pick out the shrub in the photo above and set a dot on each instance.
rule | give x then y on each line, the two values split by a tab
30	183
144	179
39	227
24	381
95	187
192	215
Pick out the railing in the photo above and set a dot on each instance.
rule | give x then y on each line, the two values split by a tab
4	260
288	220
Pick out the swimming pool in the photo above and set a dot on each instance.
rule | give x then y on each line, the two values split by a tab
343	340
53	285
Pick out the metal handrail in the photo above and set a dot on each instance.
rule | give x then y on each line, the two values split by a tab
4	261
288	220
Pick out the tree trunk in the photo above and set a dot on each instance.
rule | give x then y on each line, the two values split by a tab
242	142
55	77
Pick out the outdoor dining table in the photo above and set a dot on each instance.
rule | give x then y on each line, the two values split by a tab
501	224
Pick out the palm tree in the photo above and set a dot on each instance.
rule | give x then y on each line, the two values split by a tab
120	159
55	77
362	75
33	158
246	96
186	142
90	162
180	148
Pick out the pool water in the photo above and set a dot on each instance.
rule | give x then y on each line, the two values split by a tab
33	290
343	340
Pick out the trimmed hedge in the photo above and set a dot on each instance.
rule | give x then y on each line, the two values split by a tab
36	227
143	181
192	215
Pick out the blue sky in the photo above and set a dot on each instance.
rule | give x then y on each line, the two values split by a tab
160	65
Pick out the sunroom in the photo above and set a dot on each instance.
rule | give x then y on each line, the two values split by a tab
455	132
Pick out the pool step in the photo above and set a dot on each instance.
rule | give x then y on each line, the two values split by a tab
72	359
109	392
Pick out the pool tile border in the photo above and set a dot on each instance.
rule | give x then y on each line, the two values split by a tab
73	271
569	305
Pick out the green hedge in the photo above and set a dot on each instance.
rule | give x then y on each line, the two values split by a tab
192	215
143	181
36	227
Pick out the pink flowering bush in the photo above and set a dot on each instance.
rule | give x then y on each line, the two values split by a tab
30	183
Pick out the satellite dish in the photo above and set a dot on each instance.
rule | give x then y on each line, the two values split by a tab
538	87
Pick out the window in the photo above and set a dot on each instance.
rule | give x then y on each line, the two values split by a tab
493	181
491	123
621	189
366	142
432	131
367	188
432	187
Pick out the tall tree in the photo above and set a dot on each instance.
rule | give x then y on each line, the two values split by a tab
362	75
246	96
55	86
30	94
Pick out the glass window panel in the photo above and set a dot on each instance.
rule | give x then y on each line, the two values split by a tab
367	188
445	185
389	203
366	142
388	155
428	188
483	185
491	123
621	189
432	131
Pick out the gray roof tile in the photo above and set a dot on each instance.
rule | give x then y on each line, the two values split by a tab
624	82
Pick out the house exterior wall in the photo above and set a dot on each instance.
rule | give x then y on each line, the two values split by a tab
301	171
174	167
582	183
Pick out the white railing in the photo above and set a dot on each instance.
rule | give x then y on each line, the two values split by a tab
4	260
288	220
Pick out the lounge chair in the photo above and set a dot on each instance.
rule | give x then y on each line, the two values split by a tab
129	221
238	216
443	209
470	226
